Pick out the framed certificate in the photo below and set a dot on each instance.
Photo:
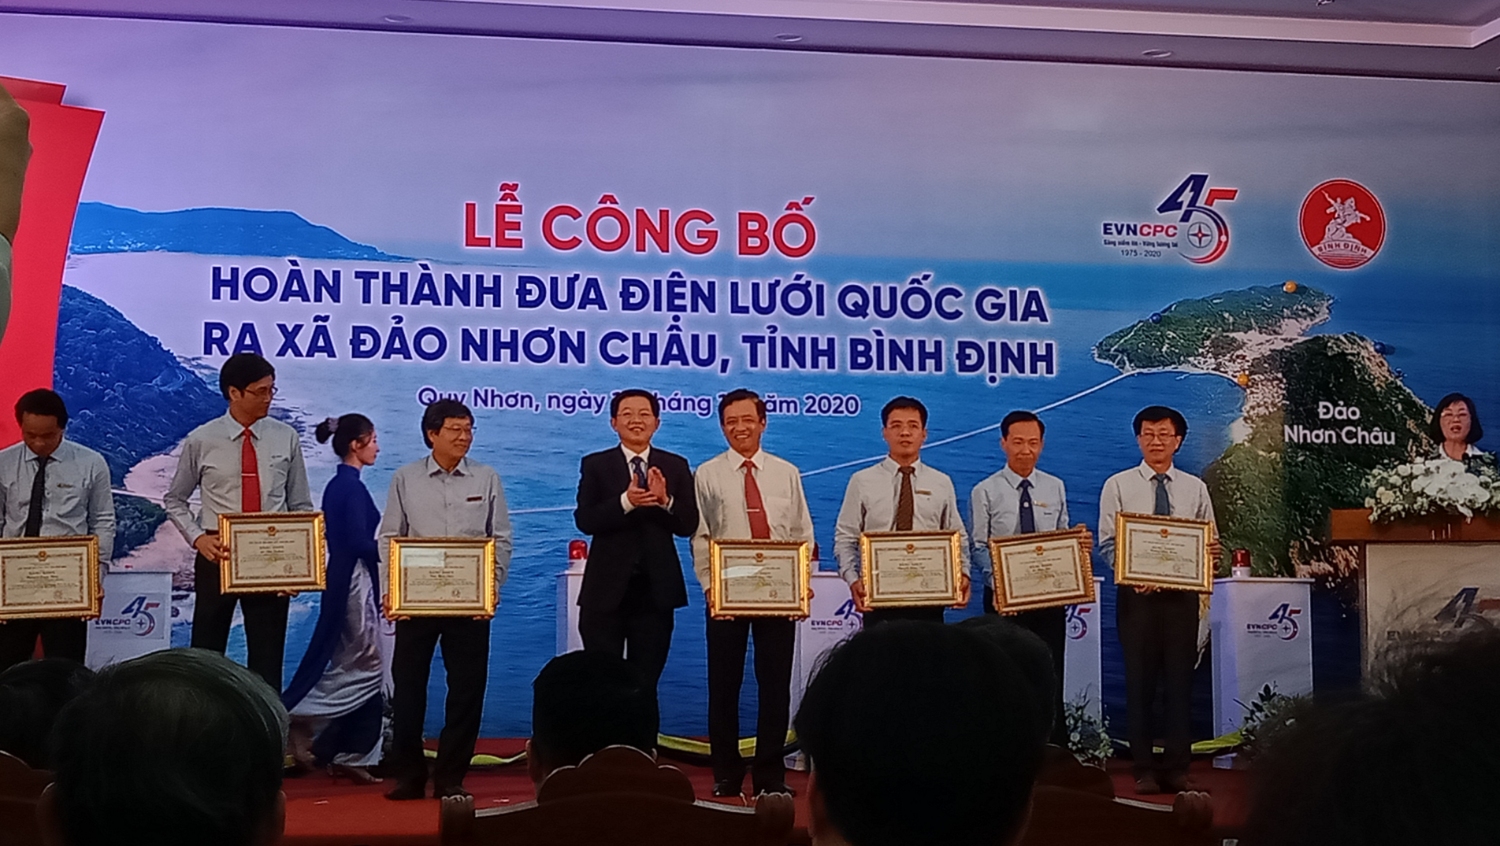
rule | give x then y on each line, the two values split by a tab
758	578
442	577
1041	570
1163	552
902	569
272	551
50	577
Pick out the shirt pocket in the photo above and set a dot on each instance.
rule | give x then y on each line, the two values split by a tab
780	511
1046	516
273	477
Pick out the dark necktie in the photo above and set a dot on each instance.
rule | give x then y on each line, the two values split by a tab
1163	505
249	474
1028	518
38	493
906	504
638	467
760	526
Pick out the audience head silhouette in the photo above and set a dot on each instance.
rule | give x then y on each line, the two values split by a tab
31	696
1403	763
1031	657
583	702
184	744
919	733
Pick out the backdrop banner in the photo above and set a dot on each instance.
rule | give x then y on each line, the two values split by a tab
1300	264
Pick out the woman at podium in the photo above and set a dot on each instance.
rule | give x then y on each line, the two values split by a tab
1455	427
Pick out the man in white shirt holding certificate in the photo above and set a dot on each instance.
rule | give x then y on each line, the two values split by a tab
51	487
900	494
1020	499
748	494
1158	628
243	462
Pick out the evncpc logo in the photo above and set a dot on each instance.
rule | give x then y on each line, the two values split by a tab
1188	225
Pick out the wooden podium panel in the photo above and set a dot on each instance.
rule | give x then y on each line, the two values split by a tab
1432	577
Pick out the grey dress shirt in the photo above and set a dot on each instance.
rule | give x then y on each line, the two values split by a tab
722	513
210	462
1133	491
426	501
996	507
870	506
77	499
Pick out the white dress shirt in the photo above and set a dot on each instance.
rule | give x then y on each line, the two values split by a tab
1134	491
723	514
426	501
870	506
210	462
995	504
77	499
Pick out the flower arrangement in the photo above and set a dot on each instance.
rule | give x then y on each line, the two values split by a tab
1436	486
1270	714
1088	737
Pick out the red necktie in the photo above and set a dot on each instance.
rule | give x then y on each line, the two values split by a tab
249	474
760	527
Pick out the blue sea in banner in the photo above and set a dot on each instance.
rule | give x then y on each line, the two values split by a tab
1088	438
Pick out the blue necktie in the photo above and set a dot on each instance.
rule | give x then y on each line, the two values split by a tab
639	467
1163	505
1028	519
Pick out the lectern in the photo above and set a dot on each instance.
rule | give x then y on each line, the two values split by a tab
1426	577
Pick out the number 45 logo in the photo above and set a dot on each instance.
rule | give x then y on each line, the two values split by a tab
1204	231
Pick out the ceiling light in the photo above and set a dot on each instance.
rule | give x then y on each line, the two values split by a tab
788	37
397	19
1325	2
1157	54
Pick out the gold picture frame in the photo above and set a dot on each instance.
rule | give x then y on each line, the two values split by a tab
918	558
272	552
50	578
1041	570
777	587
442	577
1168	553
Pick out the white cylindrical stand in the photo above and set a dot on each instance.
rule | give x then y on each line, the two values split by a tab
1082	666
1261	634
135	618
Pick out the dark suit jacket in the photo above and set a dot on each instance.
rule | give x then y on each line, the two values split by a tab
642	539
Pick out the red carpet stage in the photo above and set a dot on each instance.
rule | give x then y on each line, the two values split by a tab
325	812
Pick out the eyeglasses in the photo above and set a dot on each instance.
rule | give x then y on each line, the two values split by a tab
262	393
457	431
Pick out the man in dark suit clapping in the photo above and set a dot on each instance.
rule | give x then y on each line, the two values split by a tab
632	499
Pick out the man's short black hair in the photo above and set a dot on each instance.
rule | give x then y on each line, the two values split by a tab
1157	413
920	733
1435	429
584	701
32	694
242	370
43	402
1015	417
184	744
440	412
1403	763
737	395
903	402
614	402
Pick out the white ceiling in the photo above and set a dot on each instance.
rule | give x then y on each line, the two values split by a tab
1439	39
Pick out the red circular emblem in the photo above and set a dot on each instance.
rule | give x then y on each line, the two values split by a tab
1342	224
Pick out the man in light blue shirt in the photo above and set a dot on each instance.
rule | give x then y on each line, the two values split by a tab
442	495
51	487
1020	499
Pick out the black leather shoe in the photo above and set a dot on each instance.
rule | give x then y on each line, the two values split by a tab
456	790
1145	785
727	788
407	790
782	787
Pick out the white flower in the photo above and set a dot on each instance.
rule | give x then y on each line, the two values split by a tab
1385	496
